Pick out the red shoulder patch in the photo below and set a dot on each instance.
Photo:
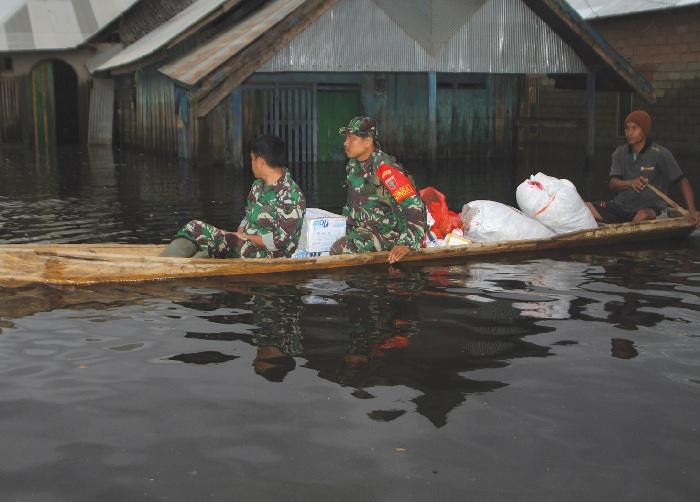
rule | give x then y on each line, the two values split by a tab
398	184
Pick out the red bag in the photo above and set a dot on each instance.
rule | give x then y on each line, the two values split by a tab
445	220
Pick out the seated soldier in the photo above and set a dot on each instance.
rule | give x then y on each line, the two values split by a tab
274	212
384	210
635	165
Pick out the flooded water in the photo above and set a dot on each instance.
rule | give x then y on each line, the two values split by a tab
570	376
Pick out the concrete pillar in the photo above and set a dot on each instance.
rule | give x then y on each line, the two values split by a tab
237	127
432	117
590	114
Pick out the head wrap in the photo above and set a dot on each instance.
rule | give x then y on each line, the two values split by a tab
642	119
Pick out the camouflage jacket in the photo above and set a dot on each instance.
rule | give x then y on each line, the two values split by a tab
382	197
276	213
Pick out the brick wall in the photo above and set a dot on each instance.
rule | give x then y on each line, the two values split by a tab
663	46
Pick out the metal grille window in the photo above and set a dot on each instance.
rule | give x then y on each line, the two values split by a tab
624	107
288	112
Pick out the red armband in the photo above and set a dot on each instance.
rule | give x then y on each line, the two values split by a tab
398	184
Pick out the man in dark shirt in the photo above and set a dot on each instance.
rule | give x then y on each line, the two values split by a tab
635	165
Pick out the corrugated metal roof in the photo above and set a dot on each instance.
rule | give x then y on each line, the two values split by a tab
502	36
168	31
592	9
190	69
57	24
499	37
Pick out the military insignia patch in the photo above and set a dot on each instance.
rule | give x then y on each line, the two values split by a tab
398	184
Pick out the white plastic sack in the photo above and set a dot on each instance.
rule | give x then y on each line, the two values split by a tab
490	221
555	203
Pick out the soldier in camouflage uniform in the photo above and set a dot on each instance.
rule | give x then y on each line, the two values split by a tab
384	210
274	212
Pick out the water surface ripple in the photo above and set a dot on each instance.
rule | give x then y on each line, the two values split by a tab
570	376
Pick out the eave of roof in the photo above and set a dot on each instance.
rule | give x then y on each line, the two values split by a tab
193	67
599	9
228	59
592	48
169	32
36	25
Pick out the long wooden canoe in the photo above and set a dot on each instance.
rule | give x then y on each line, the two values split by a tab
109	263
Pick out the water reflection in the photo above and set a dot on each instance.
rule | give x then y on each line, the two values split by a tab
364	331
623	349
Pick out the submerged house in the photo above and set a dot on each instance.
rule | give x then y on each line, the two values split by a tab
199	78
47	51
445	79
661	40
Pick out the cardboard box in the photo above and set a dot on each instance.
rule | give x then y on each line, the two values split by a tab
319	231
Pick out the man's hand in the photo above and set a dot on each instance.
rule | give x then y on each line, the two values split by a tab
398	252
255	239
694	216
639	184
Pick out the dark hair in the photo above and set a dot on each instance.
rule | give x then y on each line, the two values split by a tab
270	148
277	372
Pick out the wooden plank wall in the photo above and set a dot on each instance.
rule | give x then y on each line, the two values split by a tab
478	122
125	103
145	107
253	101
219	132
504	99
470	123
101	112
10	116
399	102
43	107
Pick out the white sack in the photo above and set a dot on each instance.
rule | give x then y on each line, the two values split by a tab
555	203
489	221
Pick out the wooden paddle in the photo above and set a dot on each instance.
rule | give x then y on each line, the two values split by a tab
668	200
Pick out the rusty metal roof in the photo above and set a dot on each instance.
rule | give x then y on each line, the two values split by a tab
194	66
31	25
165	33
593	9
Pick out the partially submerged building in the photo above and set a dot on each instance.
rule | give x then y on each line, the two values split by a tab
199	79
661	40
47	51
445	79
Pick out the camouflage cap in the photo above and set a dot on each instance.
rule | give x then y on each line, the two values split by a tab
361	126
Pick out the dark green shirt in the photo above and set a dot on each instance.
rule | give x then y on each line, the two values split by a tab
653	162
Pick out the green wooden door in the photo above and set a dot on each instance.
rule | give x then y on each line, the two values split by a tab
334	109
43	107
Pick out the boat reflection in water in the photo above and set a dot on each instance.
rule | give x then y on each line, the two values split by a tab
371	332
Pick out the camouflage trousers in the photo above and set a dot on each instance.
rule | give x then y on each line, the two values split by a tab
219	243
363	240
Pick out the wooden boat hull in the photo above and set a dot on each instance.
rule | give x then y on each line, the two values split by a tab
78	264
